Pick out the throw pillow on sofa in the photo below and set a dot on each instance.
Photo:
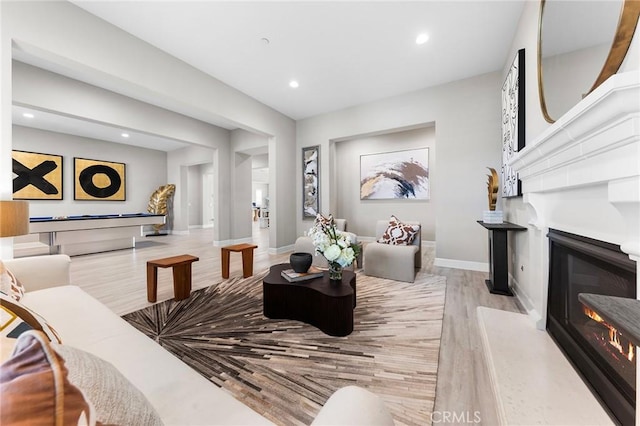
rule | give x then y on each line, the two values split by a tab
48	383
398	233
15	319
35	388
9	284
116	400
324	221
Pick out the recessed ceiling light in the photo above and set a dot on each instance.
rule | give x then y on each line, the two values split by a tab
294	84
28	115
125	135
422	38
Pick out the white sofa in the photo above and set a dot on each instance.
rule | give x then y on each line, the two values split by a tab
179	394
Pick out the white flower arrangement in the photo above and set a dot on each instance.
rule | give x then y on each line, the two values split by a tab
334	245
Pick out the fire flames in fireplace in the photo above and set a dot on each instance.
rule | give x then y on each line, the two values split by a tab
616	339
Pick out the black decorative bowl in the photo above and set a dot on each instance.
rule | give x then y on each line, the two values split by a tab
300	262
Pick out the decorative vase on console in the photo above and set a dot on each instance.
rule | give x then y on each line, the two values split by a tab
334	245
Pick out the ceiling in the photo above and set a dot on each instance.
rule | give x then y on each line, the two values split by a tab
59	123
342	53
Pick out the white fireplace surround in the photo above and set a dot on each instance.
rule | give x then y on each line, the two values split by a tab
582	174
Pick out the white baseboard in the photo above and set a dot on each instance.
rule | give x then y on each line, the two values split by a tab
222	243
461	264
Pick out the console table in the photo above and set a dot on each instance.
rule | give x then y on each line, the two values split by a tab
498	282
319	302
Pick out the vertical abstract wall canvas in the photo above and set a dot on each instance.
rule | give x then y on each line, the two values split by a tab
311	182
37	176
513	114
395	175
99	180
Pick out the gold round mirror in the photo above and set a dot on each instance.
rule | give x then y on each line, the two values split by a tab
580	45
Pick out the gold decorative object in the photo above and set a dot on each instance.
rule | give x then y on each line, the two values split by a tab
158	203
492	187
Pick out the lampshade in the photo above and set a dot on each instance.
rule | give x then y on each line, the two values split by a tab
14	218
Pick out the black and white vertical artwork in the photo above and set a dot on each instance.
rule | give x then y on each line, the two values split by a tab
513	114
310	182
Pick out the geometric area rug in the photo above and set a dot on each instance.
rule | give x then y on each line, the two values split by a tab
285	369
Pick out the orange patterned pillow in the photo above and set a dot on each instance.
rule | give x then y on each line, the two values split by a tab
398	233
35	388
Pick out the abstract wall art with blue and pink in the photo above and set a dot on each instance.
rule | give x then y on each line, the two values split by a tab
395	175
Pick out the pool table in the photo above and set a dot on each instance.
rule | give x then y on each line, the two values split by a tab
84	234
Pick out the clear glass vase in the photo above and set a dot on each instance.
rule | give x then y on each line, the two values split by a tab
335	271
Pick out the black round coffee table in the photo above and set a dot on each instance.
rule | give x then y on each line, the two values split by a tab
324	304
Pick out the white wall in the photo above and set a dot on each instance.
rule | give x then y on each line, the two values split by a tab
357	212
260	177
179	163
265	193
140	184
466	114
242	143
69	39
241	220
195	196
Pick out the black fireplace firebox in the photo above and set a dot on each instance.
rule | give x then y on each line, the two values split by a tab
604	357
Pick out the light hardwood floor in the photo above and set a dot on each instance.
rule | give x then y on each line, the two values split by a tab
463	396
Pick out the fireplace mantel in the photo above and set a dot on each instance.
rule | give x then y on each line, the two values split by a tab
582	174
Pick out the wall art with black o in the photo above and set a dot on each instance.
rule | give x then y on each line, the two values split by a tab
310	182
513	114
99	180
36	176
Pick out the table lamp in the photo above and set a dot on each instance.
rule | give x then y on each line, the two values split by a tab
14	218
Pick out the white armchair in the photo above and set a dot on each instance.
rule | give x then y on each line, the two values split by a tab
396	262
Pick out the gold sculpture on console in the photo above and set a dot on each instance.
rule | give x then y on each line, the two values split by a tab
492	187
159	203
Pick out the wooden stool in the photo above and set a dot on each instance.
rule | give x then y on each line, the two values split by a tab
181	275
247	259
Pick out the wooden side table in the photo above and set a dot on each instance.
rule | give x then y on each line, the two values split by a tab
247	258
181	275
